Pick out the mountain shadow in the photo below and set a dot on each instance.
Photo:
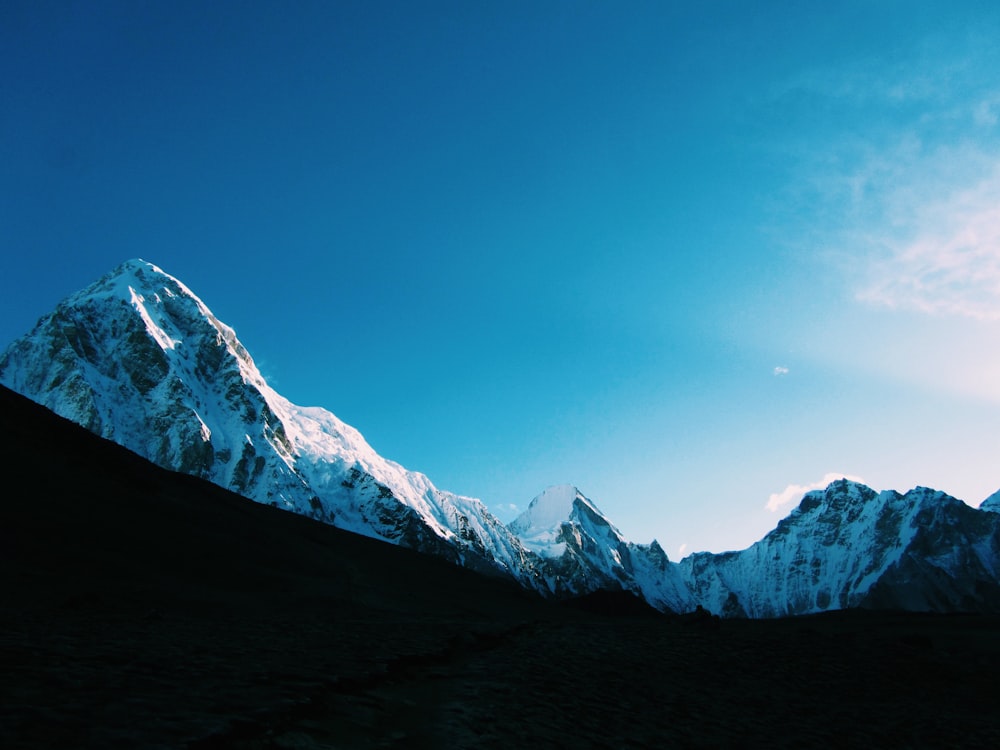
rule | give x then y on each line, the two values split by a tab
145	608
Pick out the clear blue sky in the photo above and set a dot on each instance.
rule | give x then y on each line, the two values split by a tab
691	257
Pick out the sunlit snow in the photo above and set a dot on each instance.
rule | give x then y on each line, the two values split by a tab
827	553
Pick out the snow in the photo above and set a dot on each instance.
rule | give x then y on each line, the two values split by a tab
992	503
539	527
154	330
547	511
206	432
828	552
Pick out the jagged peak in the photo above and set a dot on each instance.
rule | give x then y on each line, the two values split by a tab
841	492
138	264
547	510
146	287
137	277
133	269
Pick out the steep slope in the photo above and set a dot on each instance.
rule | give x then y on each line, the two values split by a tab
137	358
849	546
104	527
581	551
952	563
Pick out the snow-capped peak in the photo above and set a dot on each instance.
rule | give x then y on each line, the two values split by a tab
992	503
548	510
138	358
540	525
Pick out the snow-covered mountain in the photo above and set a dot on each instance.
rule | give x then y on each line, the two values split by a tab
849	546
137	358
581	551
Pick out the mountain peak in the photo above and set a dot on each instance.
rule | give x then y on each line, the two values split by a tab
838	495
550	508
138	358
136	264
992	503
539	526
143	278
134	271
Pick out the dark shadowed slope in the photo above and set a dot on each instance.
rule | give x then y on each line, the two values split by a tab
147	609
85	517
130	591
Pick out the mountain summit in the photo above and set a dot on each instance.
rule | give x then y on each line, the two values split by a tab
137	358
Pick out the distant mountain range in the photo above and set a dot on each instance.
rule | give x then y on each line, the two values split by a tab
139	359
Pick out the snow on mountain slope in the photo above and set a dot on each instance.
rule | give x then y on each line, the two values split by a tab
992	503
540	526
832	550
139	359
952	562
581	551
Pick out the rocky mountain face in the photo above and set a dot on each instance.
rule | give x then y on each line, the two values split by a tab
137	358
849	546
579	551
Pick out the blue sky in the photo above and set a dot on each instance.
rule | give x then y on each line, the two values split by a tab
691	257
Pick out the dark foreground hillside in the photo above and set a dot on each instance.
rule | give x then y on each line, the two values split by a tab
145	609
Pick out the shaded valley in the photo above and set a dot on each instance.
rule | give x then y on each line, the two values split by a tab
145	608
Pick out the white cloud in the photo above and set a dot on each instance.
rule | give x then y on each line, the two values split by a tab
780	370
900	213
795	491
681	550
947	260
908	201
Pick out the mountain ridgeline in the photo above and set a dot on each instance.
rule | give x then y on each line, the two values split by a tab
138	359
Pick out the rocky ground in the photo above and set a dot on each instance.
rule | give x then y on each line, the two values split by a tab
143	609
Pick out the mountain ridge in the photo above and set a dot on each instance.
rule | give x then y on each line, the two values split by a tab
138	358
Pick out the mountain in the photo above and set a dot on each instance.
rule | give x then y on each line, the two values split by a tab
101	527
581	551
139	359
849	546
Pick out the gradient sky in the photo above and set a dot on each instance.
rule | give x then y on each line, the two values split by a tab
691	257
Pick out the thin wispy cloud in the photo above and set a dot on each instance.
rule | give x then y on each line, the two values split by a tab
909	201
794	492
780	371
950	261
